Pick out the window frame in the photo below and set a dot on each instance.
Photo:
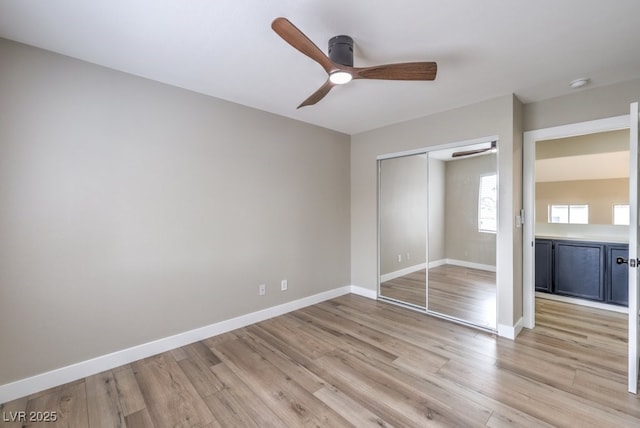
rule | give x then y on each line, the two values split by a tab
613	214
550	208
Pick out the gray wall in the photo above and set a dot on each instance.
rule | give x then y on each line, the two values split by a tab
131	210
581	106
437	201
500	116
463	240
600	195
403	212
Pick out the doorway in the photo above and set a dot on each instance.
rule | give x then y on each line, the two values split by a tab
531	138
529	243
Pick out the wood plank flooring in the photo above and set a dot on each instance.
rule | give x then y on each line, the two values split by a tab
459	292
353	361
410	288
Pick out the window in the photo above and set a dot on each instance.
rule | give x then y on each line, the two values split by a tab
487	204
573	214
621	214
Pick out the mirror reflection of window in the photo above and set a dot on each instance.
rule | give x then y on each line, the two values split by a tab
487	204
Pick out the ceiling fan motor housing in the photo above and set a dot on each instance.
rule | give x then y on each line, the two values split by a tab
341	50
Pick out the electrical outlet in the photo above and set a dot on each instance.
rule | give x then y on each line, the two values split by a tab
284	285
262	289
399	258
408	256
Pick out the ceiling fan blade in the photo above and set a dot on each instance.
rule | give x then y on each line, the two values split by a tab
476	151
318	95
296	38
400	71
468	153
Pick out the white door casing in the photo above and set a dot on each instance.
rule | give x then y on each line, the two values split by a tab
634	241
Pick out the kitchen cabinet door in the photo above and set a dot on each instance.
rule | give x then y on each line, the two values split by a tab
579	269
544	265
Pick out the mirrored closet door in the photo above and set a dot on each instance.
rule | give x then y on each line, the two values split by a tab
437	232
463	206
403	229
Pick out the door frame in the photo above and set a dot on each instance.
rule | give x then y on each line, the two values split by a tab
634	238
528	196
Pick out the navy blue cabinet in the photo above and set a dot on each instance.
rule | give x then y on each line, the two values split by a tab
617	275
544	265
581	269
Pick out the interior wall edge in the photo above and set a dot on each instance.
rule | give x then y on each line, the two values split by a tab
510	332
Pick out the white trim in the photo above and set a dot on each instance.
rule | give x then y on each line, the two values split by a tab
426	149
583	302
364	292
528	189
463	263
510	332
402	272
437	263
40	382
471	265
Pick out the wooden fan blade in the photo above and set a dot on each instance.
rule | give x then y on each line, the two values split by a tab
468	152
473	152
296	38
400	71
318	95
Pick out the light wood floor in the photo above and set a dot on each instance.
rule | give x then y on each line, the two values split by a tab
353	361
459	292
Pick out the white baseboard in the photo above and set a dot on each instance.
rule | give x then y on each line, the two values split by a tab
364	292
437	263
40	382
470	265
463	263
583	302
402	272
510	332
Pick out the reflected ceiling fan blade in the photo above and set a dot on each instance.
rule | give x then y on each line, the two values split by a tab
475	151
400	71
296	38
318	95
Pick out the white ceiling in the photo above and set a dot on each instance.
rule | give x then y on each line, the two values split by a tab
598	166
226	48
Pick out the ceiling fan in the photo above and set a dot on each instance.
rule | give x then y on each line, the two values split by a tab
492	148
339	63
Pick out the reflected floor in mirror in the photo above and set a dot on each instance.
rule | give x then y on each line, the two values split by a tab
459	292
410	288
464	293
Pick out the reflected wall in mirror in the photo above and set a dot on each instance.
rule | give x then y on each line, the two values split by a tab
462	234
403	223
582	185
